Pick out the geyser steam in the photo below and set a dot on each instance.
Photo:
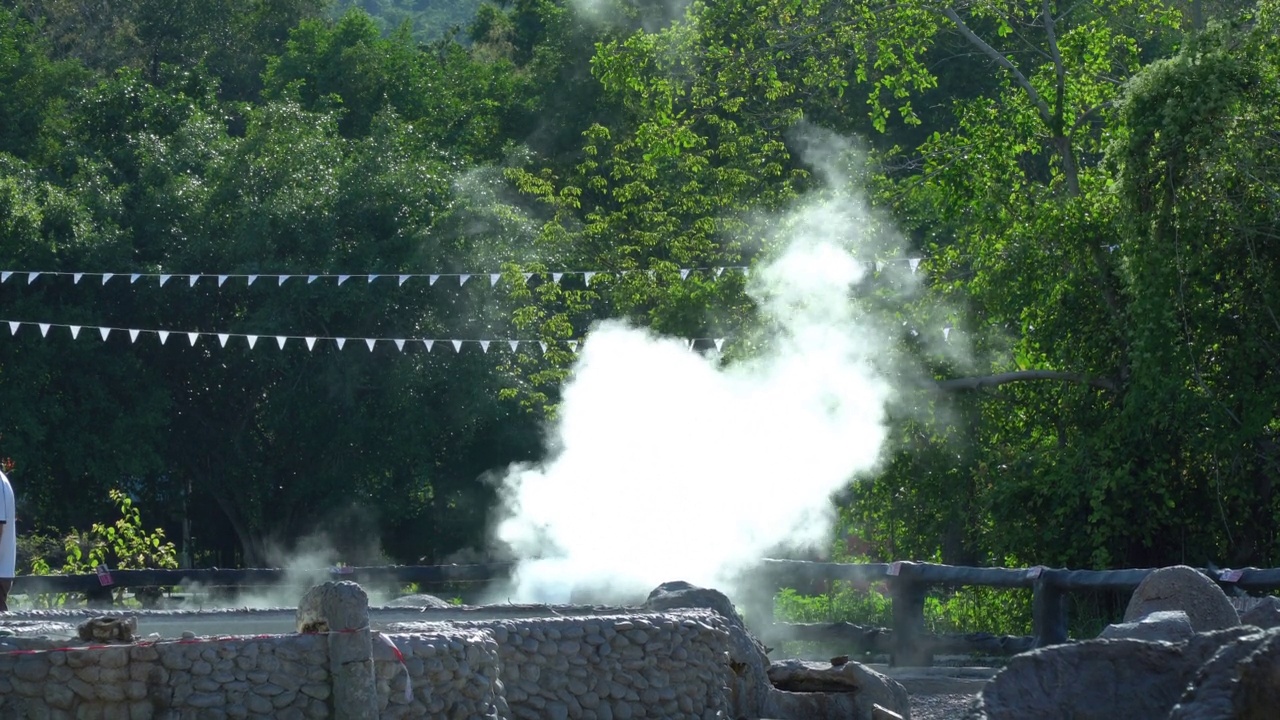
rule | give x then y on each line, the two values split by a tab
667	465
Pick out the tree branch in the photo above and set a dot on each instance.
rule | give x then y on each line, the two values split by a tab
988	381
1003	62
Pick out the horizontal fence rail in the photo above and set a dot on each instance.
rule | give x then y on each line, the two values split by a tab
907	583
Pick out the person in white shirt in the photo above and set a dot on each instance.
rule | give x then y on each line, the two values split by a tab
8	541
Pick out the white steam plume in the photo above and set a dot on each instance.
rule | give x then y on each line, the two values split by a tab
667	465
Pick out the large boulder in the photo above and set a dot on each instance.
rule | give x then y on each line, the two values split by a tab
1166	625
747	656
1264	614
820	690
1183	588
420	601
1241	680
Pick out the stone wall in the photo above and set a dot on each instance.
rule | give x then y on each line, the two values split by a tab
669	665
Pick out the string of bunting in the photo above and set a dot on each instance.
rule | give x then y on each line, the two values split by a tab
400	278
311	340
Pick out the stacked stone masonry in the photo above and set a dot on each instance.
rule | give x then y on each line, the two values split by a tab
668	665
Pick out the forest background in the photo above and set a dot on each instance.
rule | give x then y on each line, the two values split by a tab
1088	189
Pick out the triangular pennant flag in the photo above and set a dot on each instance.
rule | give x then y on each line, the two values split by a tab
429	343
106	277
4	276
283	278
133	335
373	277
164	279
370	342
311	278
463	278
431	279
44	329
484	346
684	273
31	277
134	277
879	265
586	277
946	333
192	337
194	278
719	344
514	344
76	278
494	278
542	344
281	340
914	263
343	278
253	340
311	343
403	278
399	345
340	342
221	279
252	278
527	276
690	342
457	345
13	327
573	346
223	338
719	271
75	331
104	332
555	277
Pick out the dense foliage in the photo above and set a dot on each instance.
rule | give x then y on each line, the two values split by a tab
1090	185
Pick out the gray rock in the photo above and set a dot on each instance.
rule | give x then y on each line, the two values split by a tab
1238	680
341	609
1183	588
420	601
820	690
1264	614
1164	625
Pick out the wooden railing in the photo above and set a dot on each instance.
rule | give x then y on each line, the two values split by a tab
908	584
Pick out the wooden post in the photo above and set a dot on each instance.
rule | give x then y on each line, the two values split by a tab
1048	611
908	594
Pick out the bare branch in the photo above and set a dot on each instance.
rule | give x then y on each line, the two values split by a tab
1058	67
988	381
1003	62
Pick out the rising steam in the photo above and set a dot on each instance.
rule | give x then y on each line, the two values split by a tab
668	465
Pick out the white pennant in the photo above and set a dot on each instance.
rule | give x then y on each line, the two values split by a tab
133	335
75	331
311	343
340	342
879	265
252	278
194	278
457	345
400	345
4	276
555	277
373	277
283	278
106	277
44	329
719	344
76	280
914	263
484	346
192	337
403	278
573	346
431	279
104	332
311	278
684	273
223	338
719	271
514	344
164	279
253	340
493	279
31	277
527	276
343	278
690	343
946	333
13	327
586	277
462	279
133	277
221	279
542	344
281	340
429	343
370	342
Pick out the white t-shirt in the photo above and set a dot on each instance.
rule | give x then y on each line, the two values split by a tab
9	542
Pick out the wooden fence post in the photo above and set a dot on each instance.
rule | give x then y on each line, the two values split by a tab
908	618
1048	610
